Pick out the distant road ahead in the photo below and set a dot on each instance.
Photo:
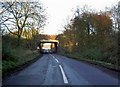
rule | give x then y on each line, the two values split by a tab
53	69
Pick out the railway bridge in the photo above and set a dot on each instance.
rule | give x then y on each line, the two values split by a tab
48	46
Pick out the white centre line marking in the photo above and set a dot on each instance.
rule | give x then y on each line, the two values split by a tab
62	71
63	74
57	61
55	58
52	56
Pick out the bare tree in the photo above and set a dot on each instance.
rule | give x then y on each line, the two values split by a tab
116	16
19	16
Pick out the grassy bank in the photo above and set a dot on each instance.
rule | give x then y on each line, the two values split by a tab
105	64
0	61
17	58
14	56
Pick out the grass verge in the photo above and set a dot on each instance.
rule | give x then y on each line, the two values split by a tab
96	62
18	59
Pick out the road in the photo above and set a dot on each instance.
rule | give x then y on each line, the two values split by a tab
53	69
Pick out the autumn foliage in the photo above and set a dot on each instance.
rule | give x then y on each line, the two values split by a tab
90	35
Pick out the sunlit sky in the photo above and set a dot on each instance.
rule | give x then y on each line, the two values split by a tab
59	12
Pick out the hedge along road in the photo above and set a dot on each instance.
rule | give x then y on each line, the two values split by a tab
53	69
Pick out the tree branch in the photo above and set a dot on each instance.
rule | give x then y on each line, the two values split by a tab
9	30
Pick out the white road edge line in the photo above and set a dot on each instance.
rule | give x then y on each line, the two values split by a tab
63	74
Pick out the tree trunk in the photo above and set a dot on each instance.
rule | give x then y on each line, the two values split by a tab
18	40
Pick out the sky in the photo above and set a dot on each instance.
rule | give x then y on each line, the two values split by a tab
59	12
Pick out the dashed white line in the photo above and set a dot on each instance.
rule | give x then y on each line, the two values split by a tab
63	74
57	61
55	58
62	71
52	56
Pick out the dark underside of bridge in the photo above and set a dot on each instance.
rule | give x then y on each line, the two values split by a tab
48	46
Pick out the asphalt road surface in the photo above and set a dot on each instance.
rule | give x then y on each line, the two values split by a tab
53	69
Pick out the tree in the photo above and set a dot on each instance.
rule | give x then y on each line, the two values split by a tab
116	26
20	16
116	16
90	35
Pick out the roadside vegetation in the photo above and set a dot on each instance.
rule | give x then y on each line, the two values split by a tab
0	58
20	26
14	56
93	36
